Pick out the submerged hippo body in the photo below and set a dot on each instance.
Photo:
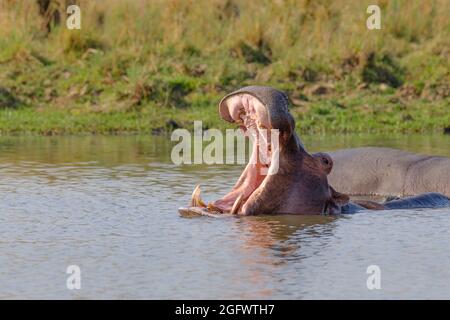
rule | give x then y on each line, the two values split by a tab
426	200
285	179
388	172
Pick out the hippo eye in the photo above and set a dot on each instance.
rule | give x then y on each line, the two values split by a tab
325	160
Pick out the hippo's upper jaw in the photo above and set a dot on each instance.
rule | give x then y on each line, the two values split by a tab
253	118
281	177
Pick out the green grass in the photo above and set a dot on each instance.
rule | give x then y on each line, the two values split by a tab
362	113
150	66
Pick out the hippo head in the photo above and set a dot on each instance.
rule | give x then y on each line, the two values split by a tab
281	176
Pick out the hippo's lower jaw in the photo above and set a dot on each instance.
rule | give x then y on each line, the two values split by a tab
233	202
252	178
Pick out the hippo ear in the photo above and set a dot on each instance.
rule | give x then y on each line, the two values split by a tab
325	161
338	198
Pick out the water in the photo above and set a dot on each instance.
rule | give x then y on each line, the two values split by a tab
109	205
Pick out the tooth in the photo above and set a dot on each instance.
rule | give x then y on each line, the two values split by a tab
237	204
196	201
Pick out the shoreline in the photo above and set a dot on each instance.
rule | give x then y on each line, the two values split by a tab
27	121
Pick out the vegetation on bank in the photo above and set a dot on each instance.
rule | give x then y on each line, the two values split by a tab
151	66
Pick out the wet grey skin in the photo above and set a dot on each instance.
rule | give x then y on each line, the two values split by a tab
389	172
426	200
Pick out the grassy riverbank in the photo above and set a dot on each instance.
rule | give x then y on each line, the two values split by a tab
151	66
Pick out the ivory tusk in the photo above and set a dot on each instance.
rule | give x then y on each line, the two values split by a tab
237	204
196	201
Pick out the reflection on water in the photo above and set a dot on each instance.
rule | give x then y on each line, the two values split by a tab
109	205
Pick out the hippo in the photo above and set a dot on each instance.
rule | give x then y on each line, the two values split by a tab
299	185
389	172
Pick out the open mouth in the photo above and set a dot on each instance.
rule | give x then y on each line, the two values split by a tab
252	117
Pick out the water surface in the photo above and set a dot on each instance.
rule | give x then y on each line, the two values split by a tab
109	205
